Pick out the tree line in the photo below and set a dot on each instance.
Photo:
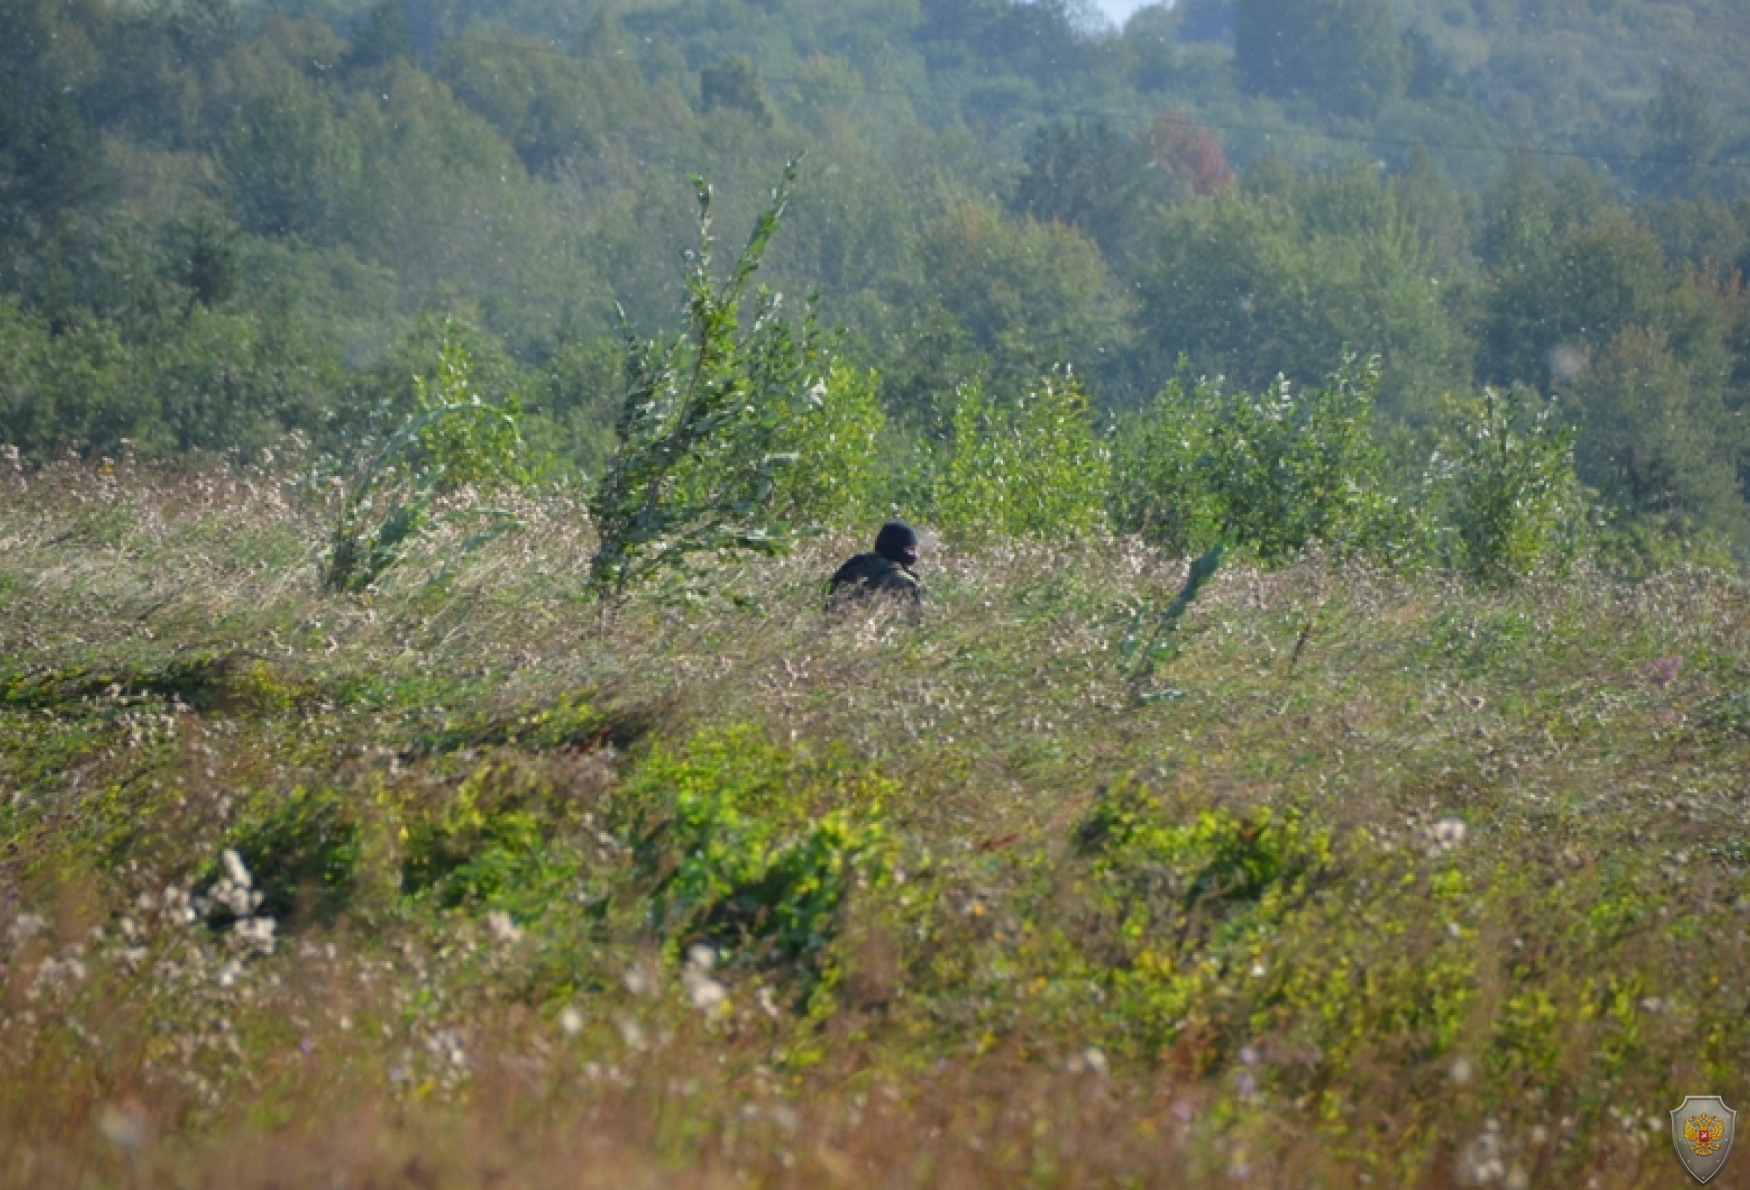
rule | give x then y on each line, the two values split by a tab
219	225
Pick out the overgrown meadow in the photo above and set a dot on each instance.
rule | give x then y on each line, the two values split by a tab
469	880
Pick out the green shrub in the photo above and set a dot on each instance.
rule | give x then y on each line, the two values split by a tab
1507	482
1183	904
834	440
304	853
701	449
753	848
492	842
1161	487
1032	467
1270	474
450	441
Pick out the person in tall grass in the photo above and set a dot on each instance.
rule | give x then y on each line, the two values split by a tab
887	571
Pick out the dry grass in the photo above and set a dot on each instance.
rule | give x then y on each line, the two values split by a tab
1509	1001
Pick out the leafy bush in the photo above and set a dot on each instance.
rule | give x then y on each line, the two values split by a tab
451	440
1161	489
700	455
1182	902
304	853
1271	474
198	378
834	440
1032	467
491	842
1514	503
753	848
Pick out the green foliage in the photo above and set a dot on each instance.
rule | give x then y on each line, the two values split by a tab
753	848
197	378
1269	474
383	38
1682	135
1514	503
734	83
494	841
521	185
1086	176
700	455
291	163
1342	53
545	105
1162	457
304	852
999	298
1031	467
450	441
835	437
51	159
1278	281
1151	638
1181	904
1560	296
1657	440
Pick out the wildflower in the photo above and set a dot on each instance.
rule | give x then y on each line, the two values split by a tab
570	1022
25	927
1444	836
1480	1163
503	927
178	906
122	1126
239	875
706	993
446	1046
234	891
1460	1071
638	982
631	1032
255	933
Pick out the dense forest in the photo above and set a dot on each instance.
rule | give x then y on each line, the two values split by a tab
221	223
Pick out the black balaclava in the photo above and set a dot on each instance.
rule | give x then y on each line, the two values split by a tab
894	539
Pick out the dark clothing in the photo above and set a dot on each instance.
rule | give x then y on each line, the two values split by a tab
867	574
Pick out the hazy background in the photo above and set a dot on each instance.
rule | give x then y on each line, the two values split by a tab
1119	10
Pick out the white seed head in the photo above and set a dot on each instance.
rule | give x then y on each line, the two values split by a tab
234	869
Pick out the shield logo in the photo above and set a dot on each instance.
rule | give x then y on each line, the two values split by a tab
1702	1129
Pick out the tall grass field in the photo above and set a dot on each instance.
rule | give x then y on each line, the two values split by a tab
466	879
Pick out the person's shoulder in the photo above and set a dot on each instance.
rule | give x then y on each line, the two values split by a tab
862	569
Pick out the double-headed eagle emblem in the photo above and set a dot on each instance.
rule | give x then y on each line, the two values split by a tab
1702	1131
1704	1134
